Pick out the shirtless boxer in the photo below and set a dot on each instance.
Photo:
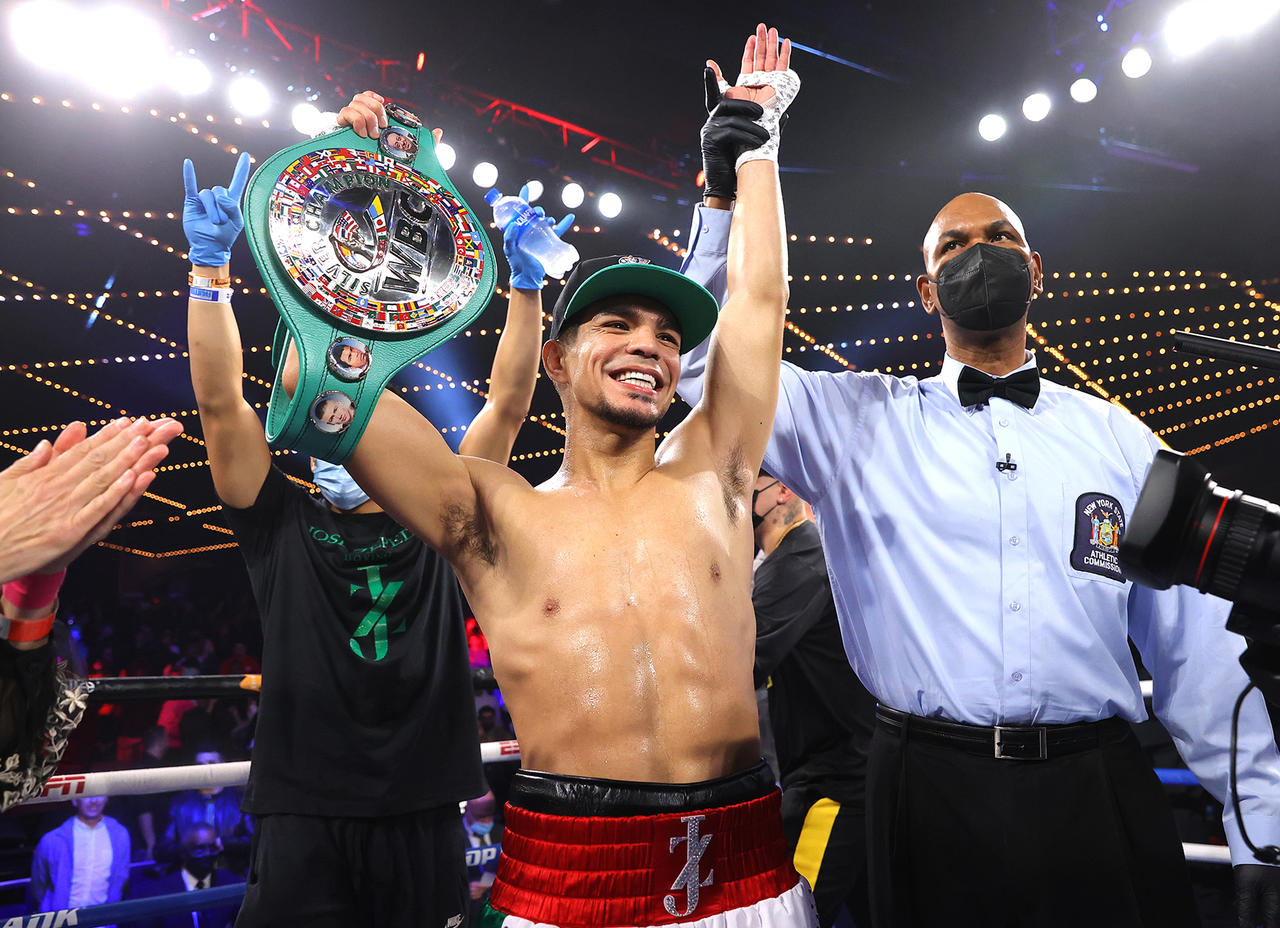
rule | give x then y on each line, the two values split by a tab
616	596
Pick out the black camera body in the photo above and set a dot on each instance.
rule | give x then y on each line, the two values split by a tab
1187	529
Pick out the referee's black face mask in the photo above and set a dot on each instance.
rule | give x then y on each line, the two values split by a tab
984	288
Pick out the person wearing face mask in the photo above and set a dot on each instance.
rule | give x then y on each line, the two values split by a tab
483	830
366	739
982	605
820	714
198	869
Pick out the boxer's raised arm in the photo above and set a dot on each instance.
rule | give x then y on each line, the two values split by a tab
736	411
239	458
515	364
742	364
492	433
409	470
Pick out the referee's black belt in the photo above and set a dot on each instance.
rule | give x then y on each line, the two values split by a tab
1004	742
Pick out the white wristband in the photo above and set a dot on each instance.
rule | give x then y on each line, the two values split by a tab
211	294
785	84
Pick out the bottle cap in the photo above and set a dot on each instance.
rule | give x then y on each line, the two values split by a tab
492	196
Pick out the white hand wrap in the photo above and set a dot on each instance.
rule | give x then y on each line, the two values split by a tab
785	84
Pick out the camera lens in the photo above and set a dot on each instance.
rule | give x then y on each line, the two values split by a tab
1187	529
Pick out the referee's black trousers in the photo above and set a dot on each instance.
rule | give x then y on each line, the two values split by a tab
1083	839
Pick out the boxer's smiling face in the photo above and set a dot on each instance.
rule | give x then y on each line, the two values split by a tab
623	361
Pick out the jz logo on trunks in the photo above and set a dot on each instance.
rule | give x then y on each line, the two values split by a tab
688	880
1099	527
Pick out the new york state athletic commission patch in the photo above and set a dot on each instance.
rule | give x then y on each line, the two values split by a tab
1099	528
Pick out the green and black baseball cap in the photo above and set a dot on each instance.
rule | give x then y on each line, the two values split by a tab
594	279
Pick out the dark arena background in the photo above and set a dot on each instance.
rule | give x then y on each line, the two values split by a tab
1136	139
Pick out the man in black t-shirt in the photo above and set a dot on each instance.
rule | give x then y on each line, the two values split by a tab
366	739
365	743
821	713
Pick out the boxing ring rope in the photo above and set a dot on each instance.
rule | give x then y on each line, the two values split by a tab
111	913
117	689
230	894
236	773
194	776
120	689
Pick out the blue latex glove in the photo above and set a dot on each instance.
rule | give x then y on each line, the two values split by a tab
527	272
211	218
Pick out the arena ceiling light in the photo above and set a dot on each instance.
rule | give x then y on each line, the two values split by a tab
40	30
485	174
189	76
1036	106
307	118
1136	62
992	127
610	205
122	50
117	49
535	190
249	97
1083	90
1190	27
1198	23
1241	17
572	195
446	155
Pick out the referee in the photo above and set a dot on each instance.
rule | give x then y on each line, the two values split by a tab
822	716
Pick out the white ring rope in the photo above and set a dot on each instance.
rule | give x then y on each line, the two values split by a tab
236	773
196	776
1207	853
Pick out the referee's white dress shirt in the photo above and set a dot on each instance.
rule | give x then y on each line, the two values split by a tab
992	596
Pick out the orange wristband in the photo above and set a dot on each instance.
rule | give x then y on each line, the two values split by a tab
208	282
26	629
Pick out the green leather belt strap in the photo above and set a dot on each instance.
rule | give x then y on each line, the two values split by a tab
373	259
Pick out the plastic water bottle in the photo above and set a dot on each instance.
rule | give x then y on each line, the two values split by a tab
534	233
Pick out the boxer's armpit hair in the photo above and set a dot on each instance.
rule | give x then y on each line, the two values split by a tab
469	532
733	483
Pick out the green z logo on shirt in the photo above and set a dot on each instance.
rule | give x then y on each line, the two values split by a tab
375	622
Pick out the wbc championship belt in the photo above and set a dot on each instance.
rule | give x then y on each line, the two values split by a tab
373	259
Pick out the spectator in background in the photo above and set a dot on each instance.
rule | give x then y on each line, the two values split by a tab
209	721
84	861
240	661
822	716
196	869
152	810
197	655
490	730
498	774
217	807
482	831
172	711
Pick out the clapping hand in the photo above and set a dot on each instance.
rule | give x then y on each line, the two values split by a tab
64	497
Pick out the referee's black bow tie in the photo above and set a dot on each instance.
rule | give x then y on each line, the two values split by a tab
1021	387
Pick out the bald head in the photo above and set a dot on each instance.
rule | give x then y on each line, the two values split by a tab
971	219
968	218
